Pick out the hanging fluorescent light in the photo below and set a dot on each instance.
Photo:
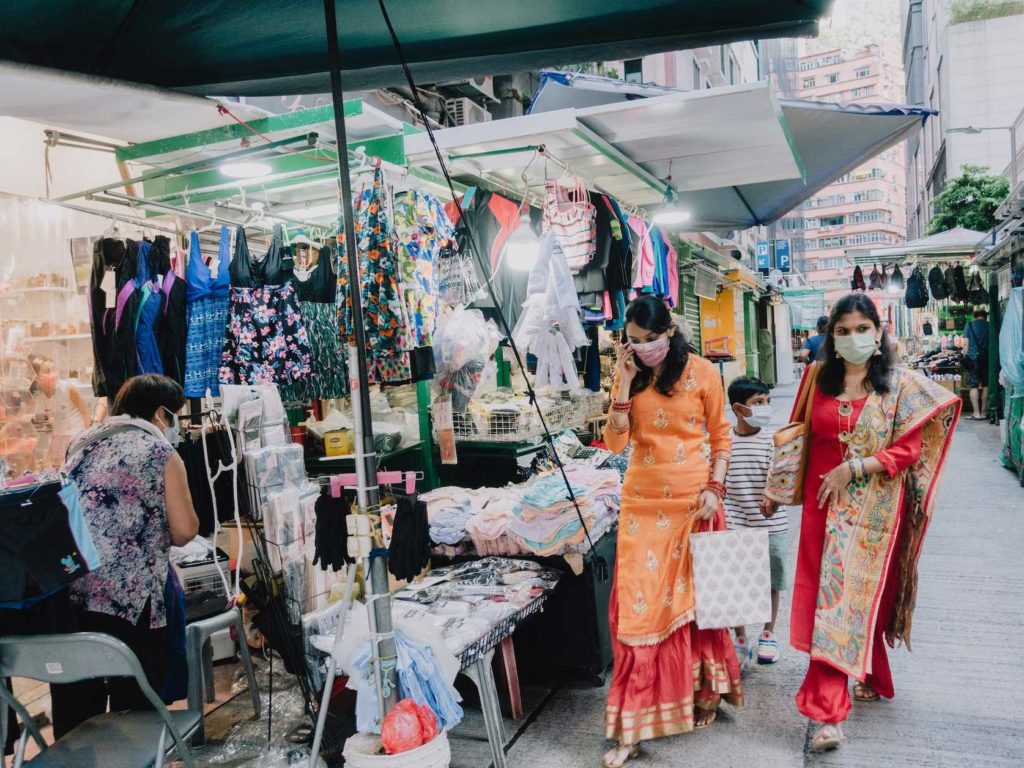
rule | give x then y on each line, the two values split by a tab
670	212
244	169
523	247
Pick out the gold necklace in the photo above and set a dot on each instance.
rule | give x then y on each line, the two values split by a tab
845	435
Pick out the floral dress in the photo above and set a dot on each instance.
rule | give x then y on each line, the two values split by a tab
120	480
206	317
317	292
389	335
267	341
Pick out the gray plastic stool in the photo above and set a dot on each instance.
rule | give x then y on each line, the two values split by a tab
200	663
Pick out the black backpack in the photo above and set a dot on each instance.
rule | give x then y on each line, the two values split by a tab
960	291
896	279
950	282
937	284
875	280
976	291
917	291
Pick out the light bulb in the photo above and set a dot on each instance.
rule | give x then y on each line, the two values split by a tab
245	170
671	216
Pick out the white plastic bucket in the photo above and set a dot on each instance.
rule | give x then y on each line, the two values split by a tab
362	748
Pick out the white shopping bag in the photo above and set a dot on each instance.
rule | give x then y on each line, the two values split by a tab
731	578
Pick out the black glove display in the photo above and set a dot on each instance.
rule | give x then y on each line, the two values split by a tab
331	539
410	540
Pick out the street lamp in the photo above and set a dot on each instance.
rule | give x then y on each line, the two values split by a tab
974	130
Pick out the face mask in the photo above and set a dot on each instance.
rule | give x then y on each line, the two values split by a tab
760	415
856	348
652	353
173	432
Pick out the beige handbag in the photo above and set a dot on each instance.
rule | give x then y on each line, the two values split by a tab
731	578
785	483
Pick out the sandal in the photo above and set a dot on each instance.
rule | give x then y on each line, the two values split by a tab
620	754
828	736
864	692
712	715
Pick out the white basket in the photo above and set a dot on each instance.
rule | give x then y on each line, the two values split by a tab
362	748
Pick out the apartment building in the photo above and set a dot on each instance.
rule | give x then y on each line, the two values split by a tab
866	206
971	71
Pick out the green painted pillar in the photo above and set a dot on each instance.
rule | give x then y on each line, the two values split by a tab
430	478
750	334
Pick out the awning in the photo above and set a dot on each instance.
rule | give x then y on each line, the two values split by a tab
703	139
829	139
956	243
268	47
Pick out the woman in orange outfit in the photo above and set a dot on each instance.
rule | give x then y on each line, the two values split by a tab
669	677
878	441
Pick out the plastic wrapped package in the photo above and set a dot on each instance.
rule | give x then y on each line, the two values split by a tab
1011	341
408	726
293	464
463	343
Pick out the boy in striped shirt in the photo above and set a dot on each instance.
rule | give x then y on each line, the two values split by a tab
745	504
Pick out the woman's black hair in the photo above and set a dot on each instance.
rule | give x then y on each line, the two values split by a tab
141	396
831	380
651	314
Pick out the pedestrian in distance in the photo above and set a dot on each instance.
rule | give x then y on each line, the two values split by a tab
745	502
878	440
669	677
811	350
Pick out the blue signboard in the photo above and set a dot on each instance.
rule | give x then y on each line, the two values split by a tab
783	259
764	260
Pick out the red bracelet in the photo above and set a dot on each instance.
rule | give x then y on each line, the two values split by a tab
715	487
622	407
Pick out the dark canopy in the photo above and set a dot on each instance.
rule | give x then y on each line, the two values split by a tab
269	47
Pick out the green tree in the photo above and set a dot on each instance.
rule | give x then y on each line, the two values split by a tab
969	200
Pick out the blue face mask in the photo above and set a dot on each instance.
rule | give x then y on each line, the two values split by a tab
173	432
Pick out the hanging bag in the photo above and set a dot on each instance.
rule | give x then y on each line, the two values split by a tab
572	218
875	279
917	291
976	292
897	279
937	284
959	283
785	483
857	283
731	577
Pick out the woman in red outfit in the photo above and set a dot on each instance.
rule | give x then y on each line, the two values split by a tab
878	441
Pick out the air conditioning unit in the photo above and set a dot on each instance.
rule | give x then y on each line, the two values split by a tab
485	86
466	112
705	283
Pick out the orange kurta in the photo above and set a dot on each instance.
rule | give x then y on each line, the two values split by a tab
675	440
664	666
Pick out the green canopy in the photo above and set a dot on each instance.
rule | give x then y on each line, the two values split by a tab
271	47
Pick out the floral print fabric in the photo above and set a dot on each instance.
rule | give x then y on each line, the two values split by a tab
422	231
329	375
266	341
389	334
120	480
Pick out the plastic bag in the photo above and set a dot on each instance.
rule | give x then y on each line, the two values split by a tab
463	343
408	726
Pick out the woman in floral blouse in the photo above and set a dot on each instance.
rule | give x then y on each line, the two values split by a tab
135	499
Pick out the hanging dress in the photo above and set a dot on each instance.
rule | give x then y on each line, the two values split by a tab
316	292
389	334
149	315
174	292
207	316
266	340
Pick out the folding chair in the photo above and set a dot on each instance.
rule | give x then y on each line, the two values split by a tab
135	739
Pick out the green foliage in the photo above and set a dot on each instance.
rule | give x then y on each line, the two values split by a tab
970	200
964	11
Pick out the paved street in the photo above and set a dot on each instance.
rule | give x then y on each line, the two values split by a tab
959	699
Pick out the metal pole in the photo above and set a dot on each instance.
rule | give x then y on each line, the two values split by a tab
1013	157
380	608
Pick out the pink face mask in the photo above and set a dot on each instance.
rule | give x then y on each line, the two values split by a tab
652	353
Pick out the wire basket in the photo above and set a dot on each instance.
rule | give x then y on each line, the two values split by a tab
516	423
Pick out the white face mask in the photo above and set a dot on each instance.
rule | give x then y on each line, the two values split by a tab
173	432
856	348
760	415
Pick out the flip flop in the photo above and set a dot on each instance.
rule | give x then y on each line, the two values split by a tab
623	752
862	692
828	736
708	724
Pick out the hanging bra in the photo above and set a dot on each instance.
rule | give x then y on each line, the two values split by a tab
320	285
201	282
271	270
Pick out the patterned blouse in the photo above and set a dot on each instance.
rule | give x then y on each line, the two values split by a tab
121	482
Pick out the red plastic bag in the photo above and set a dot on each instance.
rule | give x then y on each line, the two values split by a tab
408	726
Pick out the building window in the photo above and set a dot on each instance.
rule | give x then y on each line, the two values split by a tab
808	82
832	221
869	90
833	59
863	72
696	76
832	79
634	70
